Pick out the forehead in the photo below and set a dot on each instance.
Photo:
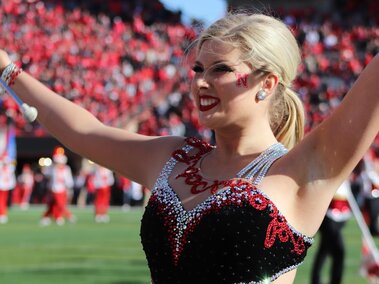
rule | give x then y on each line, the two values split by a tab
215	50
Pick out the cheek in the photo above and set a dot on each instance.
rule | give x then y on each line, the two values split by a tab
225	81
234	82
241	80
193	87
238	79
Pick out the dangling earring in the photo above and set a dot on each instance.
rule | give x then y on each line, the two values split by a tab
261	95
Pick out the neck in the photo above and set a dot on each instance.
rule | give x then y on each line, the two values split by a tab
242	144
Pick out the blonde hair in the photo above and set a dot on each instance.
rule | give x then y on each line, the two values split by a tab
269	47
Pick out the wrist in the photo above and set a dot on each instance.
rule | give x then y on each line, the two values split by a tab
2	70
4	61
9	74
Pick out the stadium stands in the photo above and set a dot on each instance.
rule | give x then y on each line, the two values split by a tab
122	60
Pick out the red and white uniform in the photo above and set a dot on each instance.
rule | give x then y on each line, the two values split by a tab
7	166
7	183
60	178
61	181
103	180
25	185
339	209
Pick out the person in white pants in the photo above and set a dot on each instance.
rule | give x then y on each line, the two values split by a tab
7	183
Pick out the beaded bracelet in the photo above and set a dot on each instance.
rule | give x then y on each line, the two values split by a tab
5	76
14	75
10	72
9	75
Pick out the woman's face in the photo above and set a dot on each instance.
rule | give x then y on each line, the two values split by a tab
223	86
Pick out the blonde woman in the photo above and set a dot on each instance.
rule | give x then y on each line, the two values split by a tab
244	210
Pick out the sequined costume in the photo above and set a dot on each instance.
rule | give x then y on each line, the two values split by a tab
237	235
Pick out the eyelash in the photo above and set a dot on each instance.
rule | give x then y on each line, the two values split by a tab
221	68
197	69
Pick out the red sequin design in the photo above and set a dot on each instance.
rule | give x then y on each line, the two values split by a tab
192	174
180	223
278	227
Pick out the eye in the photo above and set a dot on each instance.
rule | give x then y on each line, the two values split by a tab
197	69
222	68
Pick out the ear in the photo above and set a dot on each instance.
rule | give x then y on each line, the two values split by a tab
270	83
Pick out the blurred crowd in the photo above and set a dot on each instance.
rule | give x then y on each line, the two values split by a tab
123	61
115	69
127	62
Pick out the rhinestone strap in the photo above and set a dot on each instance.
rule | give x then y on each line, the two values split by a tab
258	168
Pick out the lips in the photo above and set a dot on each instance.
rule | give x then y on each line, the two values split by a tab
207	102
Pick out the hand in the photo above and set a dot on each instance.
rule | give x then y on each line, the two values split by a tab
4	60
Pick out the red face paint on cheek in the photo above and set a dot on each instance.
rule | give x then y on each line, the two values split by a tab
241	80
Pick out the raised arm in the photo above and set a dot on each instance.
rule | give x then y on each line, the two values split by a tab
327	156
135	156
342	140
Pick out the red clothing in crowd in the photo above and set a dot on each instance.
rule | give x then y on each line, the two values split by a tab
7	183
60	182
102	181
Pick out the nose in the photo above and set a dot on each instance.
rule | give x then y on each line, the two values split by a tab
202	81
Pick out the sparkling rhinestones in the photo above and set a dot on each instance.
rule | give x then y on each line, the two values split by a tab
180	223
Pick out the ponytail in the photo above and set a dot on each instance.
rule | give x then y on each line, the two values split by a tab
287	121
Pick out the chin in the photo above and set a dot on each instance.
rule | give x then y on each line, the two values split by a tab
210	121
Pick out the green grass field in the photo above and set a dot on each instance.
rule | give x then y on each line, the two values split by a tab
111	253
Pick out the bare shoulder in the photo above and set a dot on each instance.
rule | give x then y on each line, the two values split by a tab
137	157
154	152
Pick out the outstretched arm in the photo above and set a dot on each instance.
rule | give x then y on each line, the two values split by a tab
341	140
138	157
327	155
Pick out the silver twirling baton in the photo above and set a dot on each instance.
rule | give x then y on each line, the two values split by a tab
29	112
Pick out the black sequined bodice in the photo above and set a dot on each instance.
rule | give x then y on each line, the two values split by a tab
235	236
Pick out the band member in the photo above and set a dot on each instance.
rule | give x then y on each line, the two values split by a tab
332	242
103	180
25	182
60	183
7	183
